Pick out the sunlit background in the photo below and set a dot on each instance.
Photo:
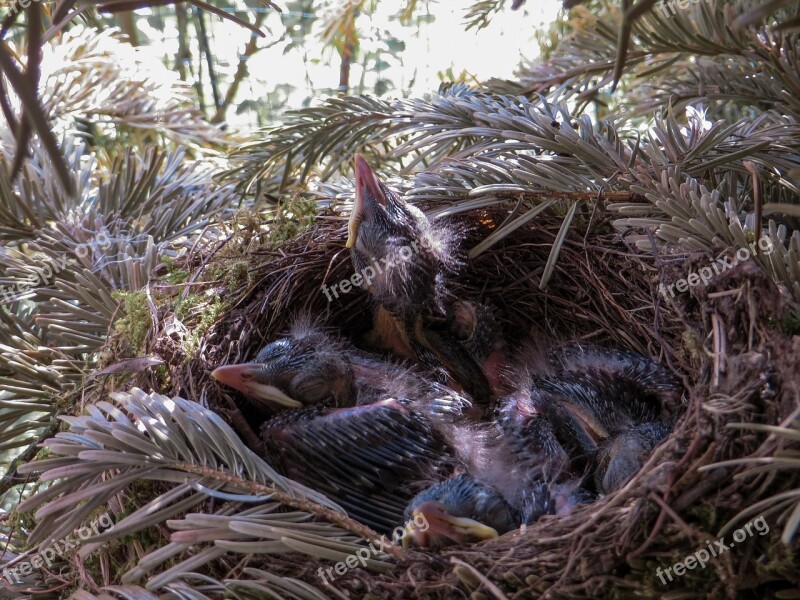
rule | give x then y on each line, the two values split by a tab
293	66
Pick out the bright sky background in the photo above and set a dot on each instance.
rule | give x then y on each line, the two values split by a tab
430	50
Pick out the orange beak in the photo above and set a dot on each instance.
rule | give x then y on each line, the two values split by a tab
366	182
244	377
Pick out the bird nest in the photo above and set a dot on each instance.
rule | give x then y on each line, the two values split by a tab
723	341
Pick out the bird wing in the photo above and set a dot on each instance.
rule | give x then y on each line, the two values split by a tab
379	379
368	459
614	367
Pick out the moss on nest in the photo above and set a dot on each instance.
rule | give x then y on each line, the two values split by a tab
200	312
135	321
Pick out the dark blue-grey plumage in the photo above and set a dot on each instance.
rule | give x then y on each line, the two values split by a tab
459	510
369	459
409	260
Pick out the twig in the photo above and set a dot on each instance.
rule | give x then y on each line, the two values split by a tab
184	55
675	517
26	456
205	49
496	591
241	72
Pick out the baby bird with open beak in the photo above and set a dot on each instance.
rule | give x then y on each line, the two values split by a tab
406	255
407	260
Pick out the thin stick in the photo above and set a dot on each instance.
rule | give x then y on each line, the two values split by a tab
496	591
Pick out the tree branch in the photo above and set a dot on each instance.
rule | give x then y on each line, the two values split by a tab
241	72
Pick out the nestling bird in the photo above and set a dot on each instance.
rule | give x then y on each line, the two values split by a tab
610	408
313	367
367	431
459	510
417	316
495	488
463	509
306	368
409	256
512	470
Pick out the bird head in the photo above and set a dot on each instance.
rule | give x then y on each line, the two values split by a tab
294	372
399	253
469	343
457	511
535	430
620	457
